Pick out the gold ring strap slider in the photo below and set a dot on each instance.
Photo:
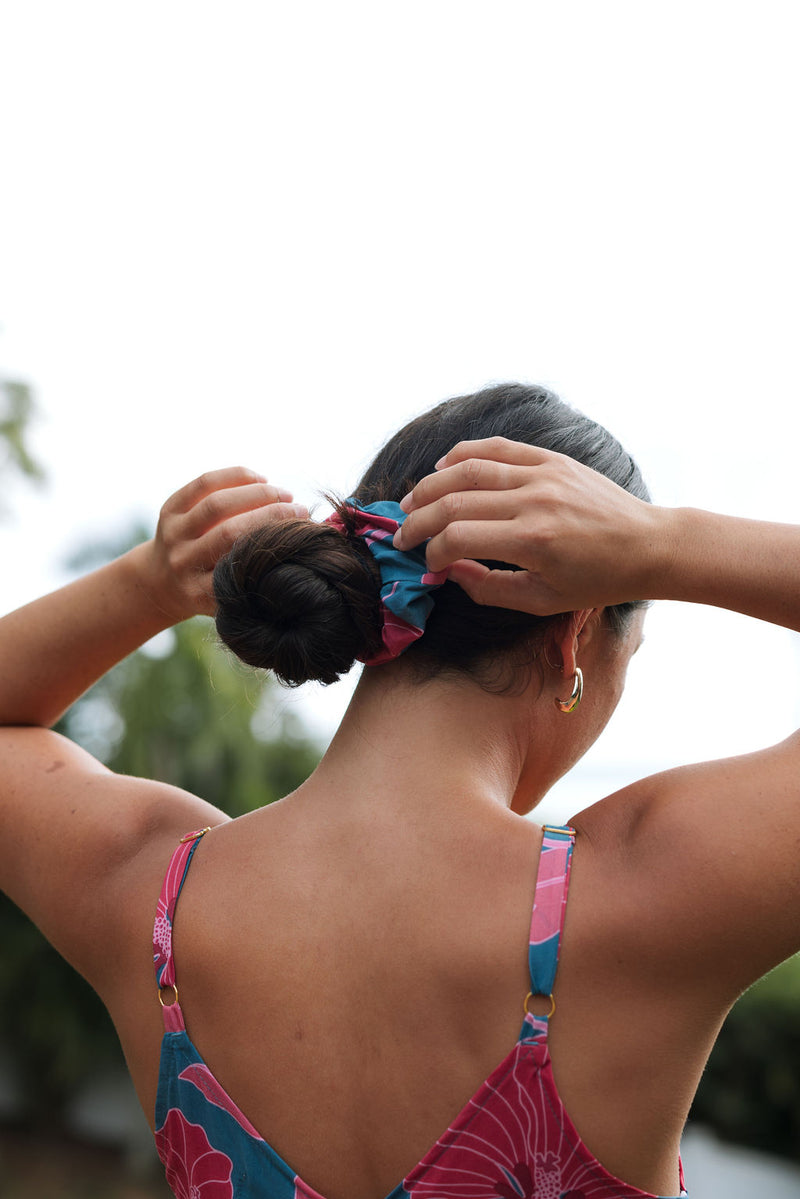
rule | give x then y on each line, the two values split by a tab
525	1008
166	987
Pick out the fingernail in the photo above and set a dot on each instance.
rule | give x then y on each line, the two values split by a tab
300	511
440	463
284	495
405	502
397	538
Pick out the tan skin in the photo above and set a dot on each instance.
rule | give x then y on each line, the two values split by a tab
351	960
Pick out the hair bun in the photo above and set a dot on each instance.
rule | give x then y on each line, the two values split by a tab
300	599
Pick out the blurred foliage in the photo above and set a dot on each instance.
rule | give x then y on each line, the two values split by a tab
54	1031
750	1091
17	409
184	713
181	711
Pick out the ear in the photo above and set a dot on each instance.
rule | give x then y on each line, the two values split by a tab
573	631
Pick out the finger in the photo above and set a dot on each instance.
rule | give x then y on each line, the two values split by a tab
434	518
497	449
515	589
212	480
209	548
472	474
502	540
221	505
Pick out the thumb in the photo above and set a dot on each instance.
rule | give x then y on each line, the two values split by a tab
469	575
513	589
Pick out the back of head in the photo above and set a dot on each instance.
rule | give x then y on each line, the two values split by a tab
302	599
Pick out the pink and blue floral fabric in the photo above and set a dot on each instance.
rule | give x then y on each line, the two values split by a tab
513	1139
406	582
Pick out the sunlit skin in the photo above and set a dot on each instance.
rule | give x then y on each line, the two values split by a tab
352	959
494	751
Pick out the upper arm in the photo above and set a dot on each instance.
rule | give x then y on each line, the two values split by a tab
68	824
709	862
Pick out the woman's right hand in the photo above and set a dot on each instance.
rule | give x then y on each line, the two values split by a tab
581	541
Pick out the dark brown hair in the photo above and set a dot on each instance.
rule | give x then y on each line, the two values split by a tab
302	599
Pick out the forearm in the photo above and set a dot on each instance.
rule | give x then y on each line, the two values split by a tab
748	566
52	650
55	648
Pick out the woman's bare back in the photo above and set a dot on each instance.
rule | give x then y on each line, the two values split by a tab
351	986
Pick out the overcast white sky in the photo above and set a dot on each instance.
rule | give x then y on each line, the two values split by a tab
270	233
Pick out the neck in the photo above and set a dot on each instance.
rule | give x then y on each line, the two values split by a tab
446	741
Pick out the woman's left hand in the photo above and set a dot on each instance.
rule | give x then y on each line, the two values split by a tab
197	526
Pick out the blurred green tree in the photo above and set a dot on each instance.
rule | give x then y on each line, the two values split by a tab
17	410
750	1090
185	711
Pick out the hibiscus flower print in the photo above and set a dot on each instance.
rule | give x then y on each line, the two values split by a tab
518	1184
194	1169
199	1075
548	1176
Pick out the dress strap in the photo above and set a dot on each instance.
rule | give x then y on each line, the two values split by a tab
162	929
549	907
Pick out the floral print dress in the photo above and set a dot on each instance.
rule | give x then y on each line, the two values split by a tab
512	1140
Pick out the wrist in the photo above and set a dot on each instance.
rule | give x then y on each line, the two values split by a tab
144	577
668	538
688	541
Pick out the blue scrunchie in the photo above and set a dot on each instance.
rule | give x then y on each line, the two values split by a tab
406	582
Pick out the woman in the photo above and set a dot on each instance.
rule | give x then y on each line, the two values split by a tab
354	962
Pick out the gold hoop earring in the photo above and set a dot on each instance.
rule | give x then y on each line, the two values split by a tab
569	705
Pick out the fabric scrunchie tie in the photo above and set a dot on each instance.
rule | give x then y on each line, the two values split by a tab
406	582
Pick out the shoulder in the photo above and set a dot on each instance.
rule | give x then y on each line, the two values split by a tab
71	830
700	866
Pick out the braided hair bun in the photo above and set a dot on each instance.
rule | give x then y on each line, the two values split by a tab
299	598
